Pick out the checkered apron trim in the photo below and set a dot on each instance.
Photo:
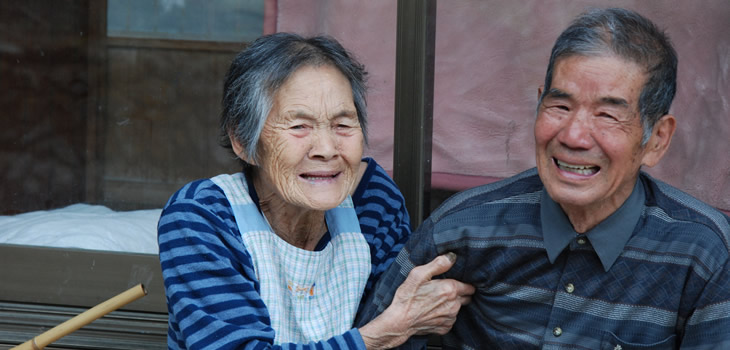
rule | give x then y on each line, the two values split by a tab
310	295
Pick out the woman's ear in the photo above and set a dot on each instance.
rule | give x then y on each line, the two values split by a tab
239	150
661	137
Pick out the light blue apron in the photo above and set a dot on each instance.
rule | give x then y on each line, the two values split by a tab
310	295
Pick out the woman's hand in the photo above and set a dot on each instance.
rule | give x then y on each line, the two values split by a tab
420	306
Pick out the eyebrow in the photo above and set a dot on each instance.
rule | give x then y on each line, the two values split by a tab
614	101
351	113
557	93
300	113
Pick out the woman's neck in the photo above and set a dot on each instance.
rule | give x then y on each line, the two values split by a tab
300	227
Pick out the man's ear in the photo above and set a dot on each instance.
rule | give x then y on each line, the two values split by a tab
539	91
661	137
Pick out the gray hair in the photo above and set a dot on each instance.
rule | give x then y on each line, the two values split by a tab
630	36
257	73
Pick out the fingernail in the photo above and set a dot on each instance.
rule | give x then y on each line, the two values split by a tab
451	256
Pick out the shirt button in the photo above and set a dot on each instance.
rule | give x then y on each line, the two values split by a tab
557	331
569	288
581	241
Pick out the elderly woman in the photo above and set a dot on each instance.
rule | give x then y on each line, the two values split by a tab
281	254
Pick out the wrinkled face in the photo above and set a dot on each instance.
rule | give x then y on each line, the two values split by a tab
312	143
588	133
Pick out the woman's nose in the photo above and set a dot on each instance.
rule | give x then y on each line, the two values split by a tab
324	144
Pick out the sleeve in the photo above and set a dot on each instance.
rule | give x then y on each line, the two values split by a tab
384	220
419	250
707	327
212	293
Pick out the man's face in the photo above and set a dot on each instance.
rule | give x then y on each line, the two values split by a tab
588	134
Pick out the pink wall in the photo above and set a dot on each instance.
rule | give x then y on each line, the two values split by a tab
491	57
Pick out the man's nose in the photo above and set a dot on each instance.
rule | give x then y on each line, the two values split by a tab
577	130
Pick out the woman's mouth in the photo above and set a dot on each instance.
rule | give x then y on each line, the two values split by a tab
319	176
585	170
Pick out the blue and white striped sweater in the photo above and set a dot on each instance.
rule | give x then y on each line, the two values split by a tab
213	295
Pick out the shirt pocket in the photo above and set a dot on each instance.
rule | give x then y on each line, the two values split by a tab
611	342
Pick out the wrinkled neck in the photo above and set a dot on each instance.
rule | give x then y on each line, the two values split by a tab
300	227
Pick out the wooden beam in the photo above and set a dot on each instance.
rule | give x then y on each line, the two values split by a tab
414	104
96	106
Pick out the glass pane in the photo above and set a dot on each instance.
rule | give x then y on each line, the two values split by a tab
98	133
223	20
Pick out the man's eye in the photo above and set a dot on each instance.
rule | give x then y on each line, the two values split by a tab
556	105
298	127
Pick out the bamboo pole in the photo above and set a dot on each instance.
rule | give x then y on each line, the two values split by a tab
44	339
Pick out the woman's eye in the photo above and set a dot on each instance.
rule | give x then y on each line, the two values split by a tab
606	115
298	127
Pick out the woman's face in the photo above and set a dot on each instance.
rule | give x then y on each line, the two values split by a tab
312	142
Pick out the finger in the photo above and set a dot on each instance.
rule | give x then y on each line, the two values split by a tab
454	288
435	324
437	266
446	308
441	325
464	288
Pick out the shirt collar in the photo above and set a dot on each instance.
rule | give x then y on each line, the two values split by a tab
608	238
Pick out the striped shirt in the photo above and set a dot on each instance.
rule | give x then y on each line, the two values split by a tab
653	275
213	296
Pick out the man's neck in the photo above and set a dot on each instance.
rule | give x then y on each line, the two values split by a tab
585	218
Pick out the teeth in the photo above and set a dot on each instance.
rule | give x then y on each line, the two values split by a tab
578	169
315	178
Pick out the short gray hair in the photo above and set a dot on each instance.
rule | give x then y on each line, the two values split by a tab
633	37
257	72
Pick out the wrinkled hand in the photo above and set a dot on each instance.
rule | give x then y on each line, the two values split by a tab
421	305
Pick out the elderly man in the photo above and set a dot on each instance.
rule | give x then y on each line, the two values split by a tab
586	251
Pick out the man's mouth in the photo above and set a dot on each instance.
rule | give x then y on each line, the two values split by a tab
585	170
